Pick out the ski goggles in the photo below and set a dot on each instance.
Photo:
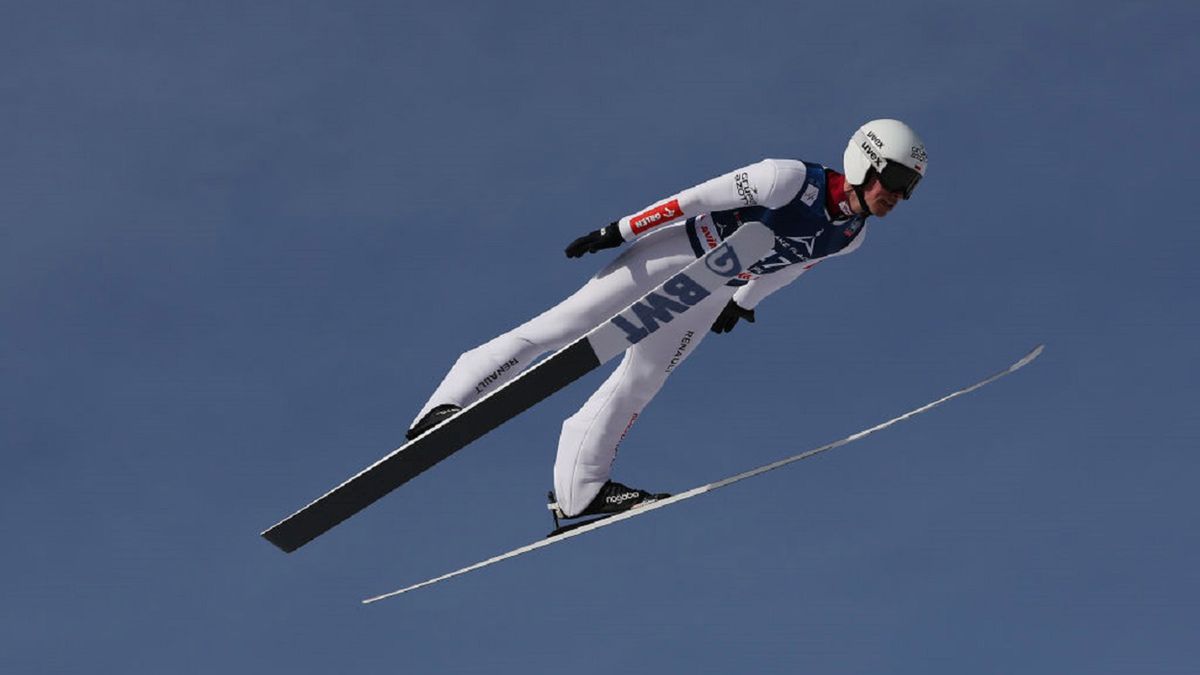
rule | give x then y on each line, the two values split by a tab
895	177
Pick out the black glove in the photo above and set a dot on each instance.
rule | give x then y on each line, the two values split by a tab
729	316
605	237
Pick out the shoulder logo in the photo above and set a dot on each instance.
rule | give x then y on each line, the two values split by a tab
810	195
745	189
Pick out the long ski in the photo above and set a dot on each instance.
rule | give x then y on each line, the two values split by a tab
692	284
675	499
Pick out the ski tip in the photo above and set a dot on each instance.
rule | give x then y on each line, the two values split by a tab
1028	358
385	596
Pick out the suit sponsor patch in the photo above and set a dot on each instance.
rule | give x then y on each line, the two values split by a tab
663	213
810	195
680	292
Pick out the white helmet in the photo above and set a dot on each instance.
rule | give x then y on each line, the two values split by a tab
892	150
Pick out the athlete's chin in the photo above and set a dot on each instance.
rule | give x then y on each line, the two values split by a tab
881	210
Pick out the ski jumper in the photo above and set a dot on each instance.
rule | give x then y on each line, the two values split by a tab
803	207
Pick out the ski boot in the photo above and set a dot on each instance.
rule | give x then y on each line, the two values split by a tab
612	499
432	418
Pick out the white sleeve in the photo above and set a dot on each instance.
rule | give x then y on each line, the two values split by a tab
770	183
754	292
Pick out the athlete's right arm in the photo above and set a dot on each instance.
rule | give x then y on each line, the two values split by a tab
770	183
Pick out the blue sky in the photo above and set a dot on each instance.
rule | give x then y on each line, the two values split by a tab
241	242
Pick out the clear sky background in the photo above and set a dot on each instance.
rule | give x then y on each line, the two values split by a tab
240	243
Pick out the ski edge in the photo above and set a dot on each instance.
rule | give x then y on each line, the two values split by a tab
604	522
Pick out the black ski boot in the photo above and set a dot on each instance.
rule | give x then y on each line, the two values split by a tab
433	418
612	499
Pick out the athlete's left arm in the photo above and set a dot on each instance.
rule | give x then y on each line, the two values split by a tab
758	289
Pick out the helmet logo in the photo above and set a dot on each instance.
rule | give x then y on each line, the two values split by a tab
918	153
872	155
878	142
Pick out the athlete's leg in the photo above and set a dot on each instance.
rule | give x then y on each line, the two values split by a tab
589	440
643	265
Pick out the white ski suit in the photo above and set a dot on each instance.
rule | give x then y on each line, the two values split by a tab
810	218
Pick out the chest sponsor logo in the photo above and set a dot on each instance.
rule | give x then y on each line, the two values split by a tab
677	294
810	195
663	213
809	243
788	251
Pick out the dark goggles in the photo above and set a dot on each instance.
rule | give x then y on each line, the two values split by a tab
896	177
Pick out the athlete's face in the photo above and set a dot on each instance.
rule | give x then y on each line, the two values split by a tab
880	200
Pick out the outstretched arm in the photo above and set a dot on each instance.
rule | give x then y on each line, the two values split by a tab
770	183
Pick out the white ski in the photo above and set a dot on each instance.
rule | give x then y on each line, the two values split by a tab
641	510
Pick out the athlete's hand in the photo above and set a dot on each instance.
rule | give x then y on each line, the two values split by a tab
605	237
729	316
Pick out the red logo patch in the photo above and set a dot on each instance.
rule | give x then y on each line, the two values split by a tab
663	213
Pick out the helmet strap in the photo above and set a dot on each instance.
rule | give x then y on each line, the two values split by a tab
862	197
